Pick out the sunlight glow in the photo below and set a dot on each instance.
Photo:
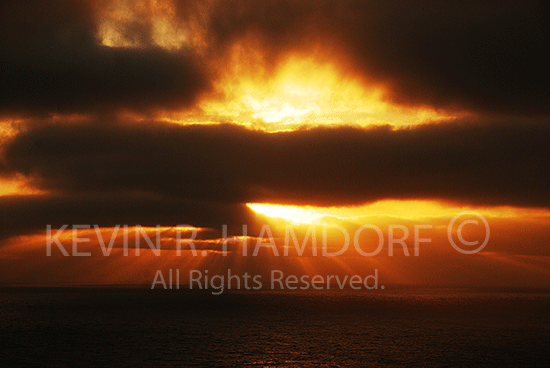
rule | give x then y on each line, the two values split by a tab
303	91
134	24
17	186
298	91
407	209
289	213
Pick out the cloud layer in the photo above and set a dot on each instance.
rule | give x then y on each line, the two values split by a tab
487	60
483	56
487	56
52	63
501	163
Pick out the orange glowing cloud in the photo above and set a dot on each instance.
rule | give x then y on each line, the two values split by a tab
25	259
273	114
17	186
138	24
302	92
391	209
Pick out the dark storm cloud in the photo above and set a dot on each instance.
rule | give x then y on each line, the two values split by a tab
483	55
51	61
487	56
504	163
28	214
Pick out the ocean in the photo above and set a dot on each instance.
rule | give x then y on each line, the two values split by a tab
401	326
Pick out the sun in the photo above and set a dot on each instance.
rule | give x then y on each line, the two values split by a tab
292	214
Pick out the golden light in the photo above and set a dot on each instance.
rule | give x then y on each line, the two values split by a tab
299	91
387	210
289	213
156	17
17	186
304	91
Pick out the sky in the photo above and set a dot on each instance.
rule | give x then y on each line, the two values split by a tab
279	113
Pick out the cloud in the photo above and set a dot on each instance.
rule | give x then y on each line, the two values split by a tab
485	163
52	62
484	56
31	214
66	92
465	56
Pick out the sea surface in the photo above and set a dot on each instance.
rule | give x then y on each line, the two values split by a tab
139	327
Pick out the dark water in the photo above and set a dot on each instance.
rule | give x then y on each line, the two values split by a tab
127	327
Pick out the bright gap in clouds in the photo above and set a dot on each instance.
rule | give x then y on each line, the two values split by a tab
304	92
406	209
293	214
301	90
